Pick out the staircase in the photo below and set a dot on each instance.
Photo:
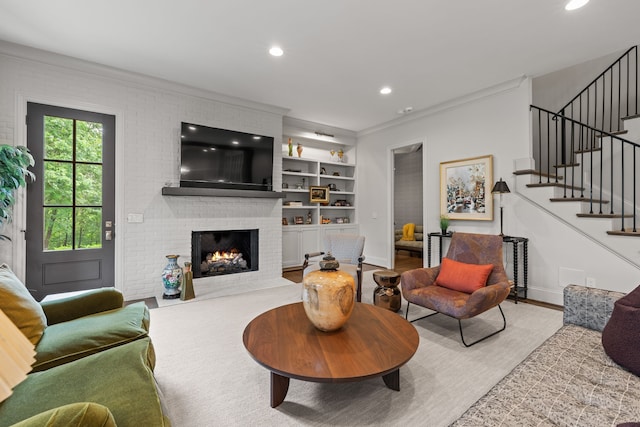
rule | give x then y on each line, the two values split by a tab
587	160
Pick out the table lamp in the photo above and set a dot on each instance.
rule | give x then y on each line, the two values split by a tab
500	187
16	356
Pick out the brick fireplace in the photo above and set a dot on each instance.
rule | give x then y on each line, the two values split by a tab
219	252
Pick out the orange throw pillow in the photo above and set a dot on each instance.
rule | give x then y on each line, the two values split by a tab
463	277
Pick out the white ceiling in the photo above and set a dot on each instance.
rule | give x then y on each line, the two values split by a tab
338	53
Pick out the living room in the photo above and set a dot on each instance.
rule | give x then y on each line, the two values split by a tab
491	120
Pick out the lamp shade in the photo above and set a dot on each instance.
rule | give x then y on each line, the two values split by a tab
16	356
501	187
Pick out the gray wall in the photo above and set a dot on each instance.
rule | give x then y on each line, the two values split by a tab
408	188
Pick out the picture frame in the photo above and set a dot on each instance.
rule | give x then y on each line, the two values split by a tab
465	189
285	221
318	194
299	220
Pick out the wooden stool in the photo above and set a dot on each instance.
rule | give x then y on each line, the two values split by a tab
387	295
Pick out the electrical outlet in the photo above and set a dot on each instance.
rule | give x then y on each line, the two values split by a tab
135	218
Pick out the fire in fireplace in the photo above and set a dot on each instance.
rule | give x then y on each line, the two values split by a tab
224	252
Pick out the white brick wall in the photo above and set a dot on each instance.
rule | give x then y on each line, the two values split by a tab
148	115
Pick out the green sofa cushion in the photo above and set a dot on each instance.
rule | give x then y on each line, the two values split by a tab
120	378
19	306
85	414
67	341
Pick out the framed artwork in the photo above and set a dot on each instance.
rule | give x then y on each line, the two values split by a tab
465	189
299	220
319	194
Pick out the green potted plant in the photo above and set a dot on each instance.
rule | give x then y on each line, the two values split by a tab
14	162
444	223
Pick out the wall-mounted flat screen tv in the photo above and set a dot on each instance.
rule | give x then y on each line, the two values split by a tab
226	159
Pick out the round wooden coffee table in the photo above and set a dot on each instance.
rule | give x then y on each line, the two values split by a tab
374	342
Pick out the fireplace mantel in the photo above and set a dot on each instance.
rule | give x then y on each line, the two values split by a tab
220	192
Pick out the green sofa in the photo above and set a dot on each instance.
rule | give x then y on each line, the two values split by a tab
94	360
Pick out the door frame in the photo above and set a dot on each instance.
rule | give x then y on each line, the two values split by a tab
19	246
391	253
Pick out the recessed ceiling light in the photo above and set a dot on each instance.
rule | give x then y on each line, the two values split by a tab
235	142
276	51
193	128
256	137
385	90
575	4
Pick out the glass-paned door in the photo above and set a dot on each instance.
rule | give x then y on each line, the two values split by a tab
70	207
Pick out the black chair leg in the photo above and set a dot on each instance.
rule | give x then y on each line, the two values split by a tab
406	315
504	326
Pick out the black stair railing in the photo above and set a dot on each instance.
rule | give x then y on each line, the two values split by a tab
601	164
609	98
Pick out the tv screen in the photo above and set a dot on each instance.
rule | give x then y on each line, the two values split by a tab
220	158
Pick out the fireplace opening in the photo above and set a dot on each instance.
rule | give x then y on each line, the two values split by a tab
215	253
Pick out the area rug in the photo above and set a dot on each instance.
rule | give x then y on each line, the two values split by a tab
207	378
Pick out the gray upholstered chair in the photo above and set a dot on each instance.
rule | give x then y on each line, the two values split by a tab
420	286
347	249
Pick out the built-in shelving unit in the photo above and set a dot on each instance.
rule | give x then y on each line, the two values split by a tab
316	166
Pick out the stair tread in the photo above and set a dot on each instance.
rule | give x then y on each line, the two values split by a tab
555	184
587	150
618	132
535	172
633	116
624	233
576	199
589	215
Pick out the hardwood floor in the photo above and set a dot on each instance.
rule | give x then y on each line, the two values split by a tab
403	262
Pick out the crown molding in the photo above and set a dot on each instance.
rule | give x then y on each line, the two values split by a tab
25	53
456	102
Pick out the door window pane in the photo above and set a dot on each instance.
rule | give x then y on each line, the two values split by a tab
88	185
58	183
58	138
88	142
88	228
58	231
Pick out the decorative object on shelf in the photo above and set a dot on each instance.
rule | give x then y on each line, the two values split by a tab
290	147
464	187
299	150
386	294
444	223
340	155
304	182
328	295
318	194
172	278
285	221
285	185
333	155
336	174
323	171
326	220
187	292
309	217
500	188
299	220
332	187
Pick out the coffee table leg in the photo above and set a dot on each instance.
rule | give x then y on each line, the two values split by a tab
392	380
279	388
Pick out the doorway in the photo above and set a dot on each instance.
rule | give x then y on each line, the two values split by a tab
407	198
71	205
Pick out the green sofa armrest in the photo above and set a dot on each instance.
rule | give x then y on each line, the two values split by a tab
82	414
87	303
